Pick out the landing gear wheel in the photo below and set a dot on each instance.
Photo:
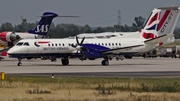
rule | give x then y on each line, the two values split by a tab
19	64
65	62
105	62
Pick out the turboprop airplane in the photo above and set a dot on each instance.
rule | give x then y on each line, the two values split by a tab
39	31
89	48
106	48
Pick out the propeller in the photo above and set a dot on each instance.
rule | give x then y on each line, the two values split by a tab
79	47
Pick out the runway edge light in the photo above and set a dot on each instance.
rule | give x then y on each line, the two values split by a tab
2	75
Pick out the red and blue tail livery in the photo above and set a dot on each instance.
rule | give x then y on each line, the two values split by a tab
151	27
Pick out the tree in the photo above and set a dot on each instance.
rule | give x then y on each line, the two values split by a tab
177	33
139	21
7	27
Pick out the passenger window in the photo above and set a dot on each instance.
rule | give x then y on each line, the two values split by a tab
119	44
19	44
63	44
48	44
26	44
116	44
52	44
106	44
103	44
56	44
112	44
109	44
59	44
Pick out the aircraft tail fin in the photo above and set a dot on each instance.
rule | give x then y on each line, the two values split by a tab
169	20
150	27
44	24
158	26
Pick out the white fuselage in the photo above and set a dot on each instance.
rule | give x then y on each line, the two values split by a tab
28	35
63	46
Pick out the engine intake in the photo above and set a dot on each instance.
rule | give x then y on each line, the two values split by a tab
14	37
9	36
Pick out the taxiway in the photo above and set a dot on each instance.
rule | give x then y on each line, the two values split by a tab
136	67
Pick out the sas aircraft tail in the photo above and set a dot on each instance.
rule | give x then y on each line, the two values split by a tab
44	24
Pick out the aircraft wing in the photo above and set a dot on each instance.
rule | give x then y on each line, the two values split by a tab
158	39
120	49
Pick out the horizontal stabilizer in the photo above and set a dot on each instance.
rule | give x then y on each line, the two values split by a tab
120	49
158	39
51	15
169	8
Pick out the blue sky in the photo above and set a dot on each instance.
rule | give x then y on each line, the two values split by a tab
93	12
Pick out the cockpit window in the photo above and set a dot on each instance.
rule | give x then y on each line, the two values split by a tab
26	44
19	44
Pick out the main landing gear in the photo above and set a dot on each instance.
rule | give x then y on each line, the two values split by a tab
19	63
105	62
65	61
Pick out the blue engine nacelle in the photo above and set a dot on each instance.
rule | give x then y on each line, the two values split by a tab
92	54
93	50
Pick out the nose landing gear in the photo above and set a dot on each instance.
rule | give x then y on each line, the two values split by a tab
19	63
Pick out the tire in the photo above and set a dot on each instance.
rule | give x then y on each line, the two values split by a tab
105	63
19	64
65	62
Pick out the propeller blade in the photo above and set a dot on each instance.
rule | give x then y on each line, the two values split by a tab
82	41
77	40
73	45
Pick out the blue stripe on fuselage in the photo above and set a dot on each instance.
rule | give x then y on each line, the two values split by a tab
95	47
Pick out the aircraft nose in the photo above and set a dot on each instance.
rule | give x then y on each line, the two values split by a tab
11	51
